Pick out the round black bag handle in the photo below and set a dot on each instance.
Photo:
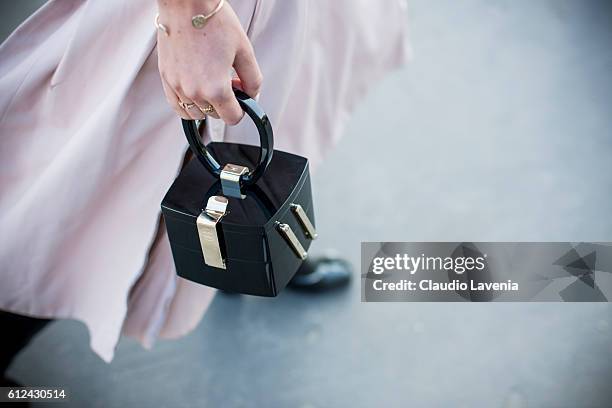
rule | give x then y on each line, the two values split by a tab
266	140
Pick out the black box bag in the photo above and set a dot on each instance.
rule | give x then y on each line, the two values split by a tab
244	226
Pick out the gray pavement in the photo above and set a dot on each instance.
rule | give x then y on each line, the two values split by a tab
500	129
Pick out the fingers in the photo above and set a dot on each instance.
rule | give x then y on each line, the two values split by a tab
194	110
218	94
208	109
203	106
236	84
221	96
190	106
248	70
173	100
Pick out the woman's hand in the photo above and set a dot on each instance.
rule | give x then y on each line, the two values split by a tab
196	64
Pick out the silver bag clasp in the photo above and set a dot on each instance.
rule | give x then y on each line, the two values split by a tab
207	230
300	214
230	179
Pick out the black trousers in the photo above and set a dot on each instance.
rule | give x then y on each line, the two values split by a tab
17	331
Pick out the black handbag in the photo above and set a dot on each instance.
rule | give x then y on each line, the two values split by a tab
244	226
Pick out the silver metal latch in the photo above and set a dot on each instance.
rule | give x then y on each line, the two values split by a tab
300	214
207	230
286	231
230	179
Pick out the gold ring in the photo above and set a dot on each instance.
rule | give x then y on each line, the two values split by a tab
186	106
208	110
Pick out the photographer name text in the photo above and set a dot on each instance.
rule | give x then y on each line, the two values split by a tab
405	263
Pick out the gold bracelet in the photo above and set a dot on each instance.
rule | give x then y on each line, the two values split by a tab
160	26
198	21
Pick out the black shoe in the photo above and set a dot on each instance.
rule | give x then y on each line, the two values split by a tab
321	274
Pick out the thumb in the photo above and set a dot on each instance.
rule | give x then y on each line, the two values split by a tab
248	71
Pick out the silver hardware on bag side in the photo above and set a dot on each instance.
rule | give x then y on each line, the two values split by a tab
287	233
207	230
230	179
307	226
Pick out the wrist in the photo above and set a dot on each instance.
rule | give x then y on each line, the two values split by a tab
186	7
176	13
